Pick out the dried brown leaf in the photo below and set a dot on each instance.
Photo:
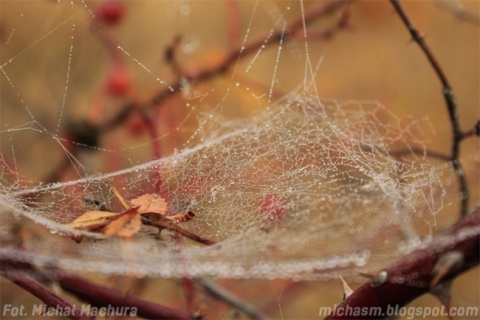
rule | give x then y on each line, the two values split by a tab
150	203
125	225
91	218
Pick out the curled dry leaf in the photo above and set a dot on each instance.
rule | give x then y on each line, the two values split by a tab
149	203
91	218
125	225
128	223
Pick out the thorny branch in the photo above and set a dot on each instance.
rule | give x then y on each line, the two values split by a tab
418	273
414	274
449	97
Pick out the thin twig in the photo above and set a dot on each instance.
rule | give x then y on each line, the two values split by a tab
450	101
170	225
220	293
50	298
419	151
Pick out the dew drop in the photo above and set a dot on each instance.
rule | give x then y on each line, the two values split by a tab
185	9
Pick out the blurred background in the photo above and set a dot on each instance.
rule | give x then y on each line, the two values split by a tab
70	67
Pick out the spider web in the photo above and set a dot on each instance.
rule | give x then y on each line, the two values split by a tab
302	187
331	184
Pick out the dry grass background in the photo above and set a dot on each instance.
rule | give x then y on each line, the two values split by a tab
371	60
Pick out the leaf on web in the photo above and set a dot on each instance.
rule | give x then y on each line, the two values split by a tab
91	218
125	225
149	203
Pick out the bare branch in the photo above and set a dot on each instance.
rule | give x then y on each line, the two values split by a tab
222	294
410	151
450	101
95	294
50	298
323	9
173	227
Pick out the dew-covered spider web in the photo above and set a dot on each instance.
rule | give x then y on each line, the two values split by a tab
297	186
303	189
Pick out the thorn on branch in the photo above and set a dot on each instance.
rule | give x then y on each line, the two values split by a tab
347	291
376	280
443	292
447	263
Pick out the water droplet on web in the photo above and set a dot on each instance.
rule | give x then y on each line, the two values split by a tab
185	9
362	258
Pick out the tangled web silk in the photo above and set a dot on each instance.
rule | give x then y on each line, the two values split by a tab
307	189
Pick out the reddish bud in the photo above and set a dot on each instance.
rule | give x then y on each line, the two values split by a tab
119	82
136	125
271	208
111	11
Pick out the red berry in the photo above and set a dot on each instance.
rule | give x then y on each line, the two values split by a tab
111	11
271	208
119	83
136	125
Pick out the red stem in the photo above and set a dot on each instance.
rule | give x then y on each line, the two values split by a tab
49	297
94	294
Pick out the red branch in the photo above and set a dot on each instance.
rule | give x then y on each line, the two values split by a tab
94	294
102	296
293	28
410	277
50	298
